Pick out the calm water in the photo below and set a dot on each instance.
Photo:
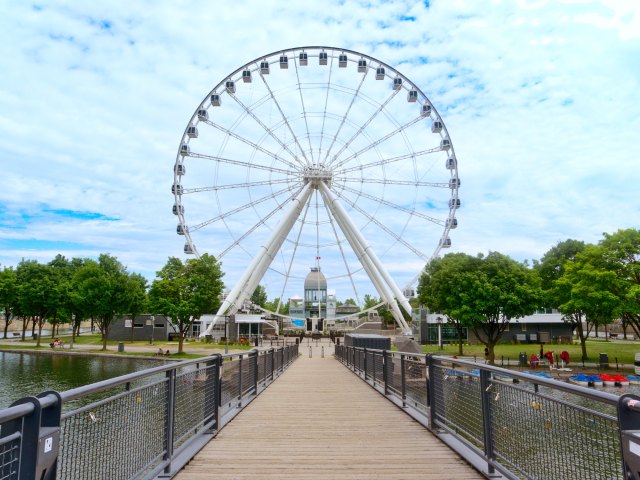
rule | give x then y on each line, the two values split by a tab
23	374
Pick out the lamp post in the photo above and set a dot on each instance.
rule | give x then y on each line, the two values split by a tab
226	336
439	320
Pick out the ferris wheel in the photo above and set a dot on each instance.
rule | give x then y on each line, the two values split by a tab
317	157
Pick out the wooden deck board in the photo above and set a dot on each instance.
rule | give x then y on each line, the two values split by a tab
318	421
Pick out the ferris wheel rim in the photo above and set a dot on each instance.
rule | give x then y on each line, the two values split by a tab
294	178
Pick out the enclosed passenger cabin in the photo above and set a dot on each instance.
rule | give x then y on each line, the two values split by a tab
436	126
176	189
192	132
230	86
425	110
452	223
284	61
397	83
184	149
445	144
180	230
323	58
454	183
178	209
180	169
246	76
303	58
264	67
380	73
215	100
454	203
203	114
445	242
188	250
412	96
362	65
451	163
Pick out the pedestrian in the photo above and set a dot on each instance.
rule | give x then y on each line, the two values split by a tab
486	354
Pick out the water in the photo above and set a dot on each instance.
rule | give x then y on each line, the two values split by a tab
23	374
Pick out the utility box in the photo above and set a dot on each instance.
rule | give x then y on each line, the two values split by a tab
48	447
523	361
121	347
371	341
604	360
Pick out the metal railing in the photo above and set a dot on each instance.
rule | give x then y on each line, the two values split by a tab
508	423
143	425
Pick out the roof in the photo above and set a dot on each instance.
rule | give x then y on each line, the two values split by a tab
315	280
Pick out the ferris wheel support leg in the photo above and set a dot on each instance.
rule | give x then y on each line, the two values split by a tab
367	257
333	200
238	294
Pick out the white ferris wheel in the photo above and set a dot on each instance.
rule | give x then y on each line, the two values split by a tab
317	157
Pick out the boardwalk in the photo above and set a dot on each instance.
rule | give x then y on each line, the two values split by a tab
318	421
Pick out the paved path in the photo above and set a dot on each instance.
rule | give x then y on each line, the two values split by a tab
319	421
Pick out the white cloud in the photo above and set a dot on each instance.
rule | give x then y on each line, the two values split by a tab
540	99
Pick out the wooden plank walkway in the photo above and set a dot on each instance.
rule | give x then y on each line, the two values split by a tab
318	421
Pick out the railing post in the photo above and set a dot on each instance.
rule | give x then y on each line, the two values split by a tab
273	364
364	362
487	429
385	371
265	356
403	381
170	417
431	391
240	381
255	372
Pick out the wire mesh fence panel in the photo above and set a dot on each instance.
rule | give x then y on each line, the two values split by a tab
262	368
230	385
195	398
394	375
129	427
9	456
269	364
415	382
546	438
458	403
378	369
248	375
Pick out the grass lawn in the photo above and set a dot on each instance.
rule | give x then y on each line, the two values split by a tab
624	351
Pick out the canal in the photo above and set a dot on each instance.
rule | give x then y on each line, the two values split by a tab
24	374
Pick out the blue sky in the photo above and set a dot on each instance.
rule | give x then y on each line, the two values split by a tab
540	98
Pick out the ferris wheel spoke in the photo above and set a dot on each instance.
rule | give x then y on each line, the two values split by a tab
253	145
324	116
304	110
387	161
360	130
344	117
392	182
241	163
240	208
264	127
383	139
373	219
284	118
393	205
235	185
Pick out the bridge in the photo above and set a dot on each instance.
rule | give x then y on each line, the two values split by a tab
305	411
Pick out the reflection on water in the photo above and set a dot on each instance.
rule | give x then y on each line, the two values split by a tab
23	374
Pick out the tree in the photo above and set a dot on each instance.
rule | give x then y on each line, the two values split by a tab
102	292
137	291
8	296
551	269
38	294
184	292
259	296
483	293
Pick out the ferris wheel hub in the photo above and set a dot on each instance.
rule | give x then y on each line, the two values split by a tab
316	174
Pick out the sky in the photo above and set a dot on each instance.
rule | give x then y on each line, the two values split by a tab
541	101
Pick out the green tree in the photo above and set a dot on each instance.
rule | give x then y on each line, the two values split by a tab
8	296
259	296
38	294
138	301
102	292
483	293
556	293
184	292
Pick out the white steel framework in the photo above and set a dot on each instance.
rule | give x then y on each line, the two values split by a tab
317	153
